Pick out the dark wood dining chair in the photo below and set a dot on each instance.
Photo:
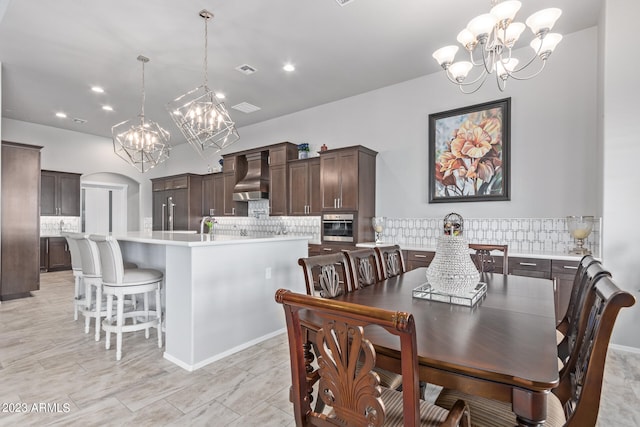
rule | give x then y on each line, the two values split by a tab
576	399
484	260
390	260
586	279
354	396
363	266
328	276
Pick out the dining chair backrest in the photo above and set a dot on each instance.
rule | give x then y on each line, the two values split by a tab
76	259
364	267
327	275
578	289
484	260
391	261
353	394
110	258
89	256
591	275
580	385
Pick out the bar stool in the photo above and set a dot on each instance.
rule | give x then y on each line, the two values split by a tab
92	278
120	282
76	267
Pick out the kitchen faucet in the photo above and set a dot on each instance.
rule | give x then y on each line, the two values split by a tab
204	219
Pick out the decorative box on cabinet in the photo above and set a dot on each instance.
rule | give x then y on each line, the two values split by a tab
59	193
20	222
177	202
304	187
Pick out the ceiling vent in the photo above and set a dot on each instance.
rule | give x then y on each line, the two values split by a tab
246	69
245	107
79	121
344	2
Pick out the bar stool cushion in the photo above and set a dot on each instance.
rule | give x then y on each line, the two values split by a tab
139	276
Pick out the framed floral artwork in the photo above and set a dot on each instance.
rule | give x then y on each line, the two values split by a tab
469	153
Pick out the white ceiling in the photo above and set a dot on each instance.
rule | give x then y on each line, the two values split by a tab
52	52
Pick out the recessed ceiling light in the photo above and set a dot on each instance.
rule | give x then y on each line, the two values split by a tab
289	67
97	89
220	95
107	108
61	115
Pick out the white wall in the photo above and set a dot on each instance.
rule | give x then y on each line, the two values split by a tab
553	138
621	151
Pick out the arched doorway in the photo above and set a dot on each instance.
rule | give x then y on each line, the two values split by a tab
109	203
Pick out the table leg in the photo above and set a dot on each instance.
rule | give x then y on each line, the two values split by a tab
530	407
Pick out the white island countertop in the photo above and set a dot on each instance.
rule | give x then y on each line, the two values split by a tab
191	238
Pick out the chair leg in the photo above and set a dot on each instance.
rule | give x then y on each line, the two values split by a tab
159	316
107	333
76	297
119	324
146	313
98	310
87	304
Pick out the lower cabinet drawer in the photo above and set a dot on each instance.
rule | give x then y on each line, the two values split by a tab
417	259
530	267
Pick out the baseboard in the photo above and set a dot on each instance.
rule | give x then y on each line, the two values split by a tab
628	349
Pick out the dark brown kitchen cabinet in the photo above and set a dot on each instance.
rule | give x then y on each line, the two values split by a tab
55	251
20	222
213	194
563	273
177	202
417	259
304	187
279	182
59	193
530	267
278	190
348	179
324	248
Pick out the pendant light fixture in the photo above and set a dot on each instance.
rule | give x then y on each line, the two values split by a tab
201	116
143	144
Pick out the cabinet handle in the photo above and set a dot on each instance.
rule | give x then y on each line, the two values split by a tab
419	256
212	212
570	267
327	249
47	246
529	264
233	211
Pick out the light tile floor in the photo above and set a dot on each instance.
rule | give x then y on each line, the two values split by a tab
51	373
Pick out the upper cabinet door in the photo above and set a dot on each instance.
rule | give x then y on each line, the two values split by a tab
69	195
48	204
59	193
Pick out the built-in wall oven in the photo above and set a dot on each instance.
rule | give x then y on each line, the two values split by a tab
338	227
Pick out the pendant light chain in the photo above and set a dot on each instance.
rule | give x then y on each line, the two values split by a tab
206	49
143	93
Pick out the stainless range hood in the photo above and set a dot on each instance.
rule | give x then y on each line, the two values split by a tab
255	184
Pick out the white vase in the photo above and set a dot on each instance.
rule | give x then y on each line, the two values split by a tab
303	154
452	270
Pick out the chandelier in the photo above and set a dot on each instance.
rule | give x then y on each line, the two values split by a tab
141	143
489	39
201	116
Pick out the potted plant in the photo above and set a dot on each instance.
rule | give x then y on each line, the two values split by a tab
303	151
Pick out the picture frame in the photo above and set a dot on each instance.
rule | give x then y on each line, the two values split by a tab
469	153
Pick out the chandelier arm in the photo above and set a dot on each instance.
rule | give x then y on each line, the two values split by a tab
473	61
482	76
491	56
502	86
510	74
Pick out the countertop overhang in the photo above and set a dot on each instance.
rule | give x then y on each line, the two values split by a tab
177	238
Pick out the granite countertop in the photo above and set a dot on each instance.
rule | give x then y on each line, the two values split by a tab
539	255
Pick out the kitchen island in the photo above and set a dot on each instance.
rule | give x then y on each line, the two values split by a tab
218	290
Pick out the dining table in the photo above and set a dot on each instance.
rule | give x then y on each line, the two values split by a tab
501	347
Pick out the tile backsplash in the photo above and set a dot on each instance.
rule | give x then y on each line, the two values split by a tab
523	235
54	225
